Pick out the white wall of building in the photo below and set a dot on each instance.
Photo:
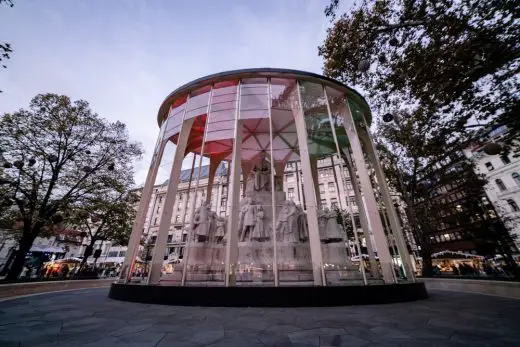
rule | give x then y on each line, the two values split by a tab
503	186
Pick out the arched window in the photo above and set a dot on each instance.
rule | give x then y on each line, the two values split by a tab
516	178
500	184
513	205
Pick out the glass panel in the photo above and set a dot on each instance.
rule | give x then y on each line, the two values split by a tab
206	226
291	227
153	216
333	218
206	215
179	223
253	98
221	122
364	246
198	102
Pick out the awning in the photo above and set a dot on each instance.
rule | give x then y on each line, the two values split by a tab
47	249
455	255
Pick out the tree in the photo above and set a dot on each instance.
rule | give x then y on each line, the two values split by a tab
457	61
106	215
56	154
5	48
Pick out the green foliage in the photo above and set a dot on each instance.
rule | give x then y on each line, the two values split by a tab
106	215
59	155
454	61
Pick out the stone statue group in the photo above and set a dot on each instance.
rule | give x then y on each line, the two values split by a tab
291	224
207	226
255	224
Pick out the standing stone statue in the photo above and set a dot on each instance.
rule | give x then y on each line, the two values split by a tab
248	211
212	222
286	221
220	231
201	223
302	226
323	219
259	233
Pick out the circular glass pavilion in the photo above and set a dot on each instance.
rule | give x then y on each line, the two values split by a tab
302	199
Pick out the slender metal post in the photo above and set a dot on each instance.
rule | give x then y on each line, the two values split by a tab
234	194
190	235
273	190
309	194
392	213
368	193
349	207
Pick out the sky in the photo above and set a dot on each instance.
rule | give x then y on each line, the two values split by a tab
124	57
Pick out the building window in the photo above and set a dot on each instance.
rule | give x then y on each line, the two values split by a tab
155	221
505	159
170	237
353	201
322	188
513	205
324	172
500	184
122	253
289	177
323	203
516	178
332	188
179	204
177	219
348	185
334	203
112	254
160	199
223	202
158	210
489	166
290	193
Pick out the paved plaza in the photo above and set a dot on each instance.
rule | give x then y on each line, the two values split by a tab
89	318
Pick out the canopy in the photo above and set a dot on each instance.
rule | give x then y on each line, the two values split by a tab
455	255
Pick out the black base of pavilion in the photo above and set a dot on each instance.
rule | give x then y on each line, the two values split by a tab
296	296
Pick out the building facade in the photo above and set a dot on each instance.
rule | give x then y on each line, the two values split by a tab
503	179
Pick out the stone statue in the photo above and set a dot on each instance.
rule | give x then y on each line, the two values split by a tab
333	231
323	218
201	223
248	220
259	232
212	216
220	231
285	223
301	224
260	178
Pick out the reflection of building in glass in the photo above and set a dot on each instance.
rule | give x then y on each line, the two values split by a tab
290	141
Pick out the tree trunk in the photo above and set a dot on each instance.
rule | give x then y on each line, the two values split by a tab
87	253
24	246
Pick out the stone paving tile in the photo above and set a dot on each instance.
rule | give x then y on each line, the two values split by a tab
89	318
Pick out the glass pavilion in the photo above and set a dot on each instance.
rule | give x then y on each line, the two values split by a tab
258	122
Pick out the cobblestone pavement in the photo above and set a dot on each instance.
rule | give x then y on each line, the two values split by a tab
89	318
